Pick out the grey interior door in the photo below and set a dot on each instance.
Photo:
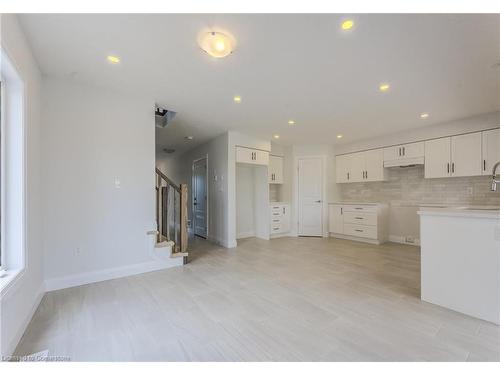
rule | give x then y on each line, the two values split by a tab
200	198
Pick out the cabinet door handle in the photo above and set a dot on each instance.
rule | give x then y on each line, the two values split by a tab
448	166
283	210
366	174
399	148
452	167
360	218
341	210
484	165
404	151
358	230
348	175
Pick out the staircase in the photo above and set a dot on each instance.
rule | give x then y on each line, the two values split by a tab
171	217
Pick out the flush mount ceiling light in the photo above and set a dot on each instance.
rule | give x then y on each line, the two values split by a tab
384	87
189	138
291	122
424	115
113	59
237	99
347	25
216	44
339	136
276	136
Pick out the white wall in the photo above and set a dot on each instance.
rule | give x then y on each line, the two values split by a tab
179	168
19	301
98	185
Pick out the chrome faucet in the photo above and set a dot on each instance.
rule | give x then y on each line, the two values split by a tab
495	181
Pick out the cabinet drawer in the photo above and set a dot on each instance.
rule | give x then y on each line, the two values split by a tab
276	212
364	218
276	220
360	208
364	231
276	227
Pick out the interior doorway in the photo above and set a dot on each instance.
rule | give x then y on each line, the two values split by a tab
310	196
200	198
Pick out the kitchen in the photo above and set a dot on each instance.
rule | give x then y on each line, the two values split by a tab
435	193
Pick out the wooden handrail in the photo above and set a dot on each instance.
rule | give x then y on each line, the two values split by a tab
168	180
181	242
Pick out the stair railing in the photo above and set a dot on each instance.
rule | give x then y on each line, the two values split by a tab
171	212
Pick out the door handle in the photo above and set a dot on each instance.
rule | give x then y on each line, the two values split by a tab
318	201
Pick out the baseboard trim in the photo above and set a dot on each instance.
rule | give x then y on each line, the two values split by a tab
357	239
245	235
402	239
11	347
109	274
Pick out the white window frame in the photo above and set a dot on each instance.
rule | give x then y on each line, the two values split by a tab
13	194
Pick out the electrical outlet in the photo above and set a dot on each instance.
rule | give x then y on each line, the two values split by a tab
409	239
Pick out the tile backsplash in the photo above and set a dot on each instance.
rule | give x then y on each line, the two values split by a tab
407	186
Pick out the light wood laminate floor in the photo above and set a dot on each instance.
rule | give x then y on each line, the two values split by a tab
289	299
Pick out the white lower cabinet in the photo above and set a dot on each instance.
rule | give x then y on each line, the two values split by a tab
361	222
279	218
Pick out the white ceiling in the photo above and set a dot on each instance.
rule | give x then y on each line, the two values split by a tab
299	67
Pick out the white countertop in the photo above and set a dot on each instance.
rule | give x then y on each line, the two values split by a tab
277	203
489	212
359	203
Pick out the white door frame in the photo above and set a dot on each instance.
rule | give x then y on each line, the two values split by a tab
324	207
206	191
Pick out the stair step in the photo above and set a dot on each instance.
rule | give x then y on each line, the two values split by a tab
164	244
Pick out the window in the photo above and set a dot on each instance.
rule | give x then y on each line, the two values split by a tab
12	171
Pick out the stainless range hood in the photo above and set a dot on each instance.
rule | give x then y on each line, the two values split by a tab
404	163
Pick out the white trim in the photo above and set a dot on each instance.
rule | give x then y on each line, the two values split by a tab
245	235
110	273
11	346
353	238
401	239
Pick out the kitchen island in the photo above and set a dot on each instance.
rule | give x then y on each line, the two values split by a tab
460	259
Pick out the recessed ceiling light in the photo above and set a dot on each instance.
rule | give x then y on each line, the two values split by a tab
276	136
384	87
216	44
424	115
189	137
291	122
113	59
347	25
339	136
237	99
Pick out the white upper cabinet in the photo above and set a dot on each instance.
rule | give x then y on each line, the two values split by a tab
453	156
410	150
275	171
356	164
438	158
466	155
374	165
251	156
342	171
366	166
491	150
